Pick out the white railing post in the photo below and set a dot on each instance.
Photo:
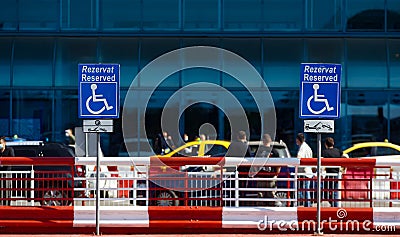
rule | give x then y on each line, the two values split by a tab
236	188
32	184
147	185
134	191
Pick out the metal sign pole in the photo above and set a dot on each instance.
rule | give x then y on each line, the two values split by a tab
319	232
98	101
86	145
98	186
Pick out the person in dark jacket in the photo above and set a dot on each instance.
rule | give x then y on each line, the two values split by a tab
239	148
5	151
266	151
331	186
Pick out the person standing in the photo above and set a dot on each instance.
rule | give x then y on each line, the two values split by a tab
307	172
5	151
188	150
267	151
70	137
239	148
331	186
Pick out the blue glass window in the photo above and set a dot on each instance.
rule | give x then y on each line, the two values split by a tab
326	51
324	15
283	15
201	15
394	62
120	14
32	113
367	114
8	15
124	52
71	52
243	15
38	15
200	74
286	103
33	62
194	75
248	49
5	58
393	15
282	59
395	118
77	14
366	65
213	42
150	50
5	112
365	15
161	14
64	118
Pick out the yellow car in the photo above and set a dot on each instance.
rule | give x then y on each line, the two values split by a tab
200	148
366	149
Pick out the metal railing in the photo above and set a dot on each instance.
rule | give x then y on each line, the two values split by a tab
142	182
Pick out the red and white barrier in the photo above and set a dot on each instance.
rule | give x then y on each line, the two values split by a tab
190	219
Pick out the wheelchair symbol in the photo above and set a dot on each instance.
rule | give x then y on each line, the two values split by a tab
97	98
318	98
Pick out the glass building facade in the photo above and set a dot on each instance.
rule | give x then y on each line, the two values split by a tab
42	42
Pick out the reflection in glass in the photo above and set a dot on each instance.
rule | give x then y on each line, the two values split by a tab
120	14
161	14
194	75
127	58
32	113
243	15
394	118
286	104
5	113
33	62
71	52
282	59
283	15
38	15
367	114
394	62
201	15
249	50
150	50
393	15
365	15
366	65
77	14
5	58
8	15
64	118
325	50
324	15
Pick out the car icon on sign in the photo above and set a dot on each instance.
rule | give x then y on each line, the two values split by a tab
318	126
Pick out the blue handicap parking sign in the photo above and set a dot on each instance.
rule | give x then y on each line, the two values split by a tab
320	90
98	90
